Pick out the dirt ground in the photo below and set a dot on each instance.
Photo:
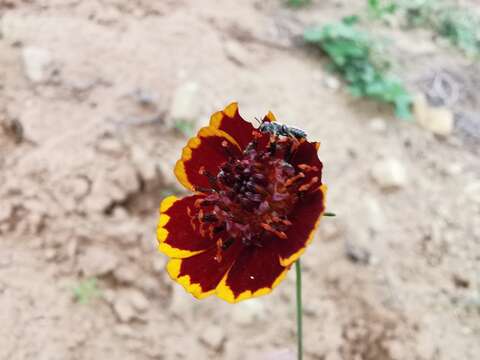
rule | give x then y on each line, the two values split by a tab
90	94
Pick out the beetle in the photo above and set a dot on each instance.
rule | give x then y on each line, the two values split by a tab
280	129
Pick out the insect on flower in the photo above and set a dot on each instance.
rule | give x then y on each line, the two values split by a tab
257	200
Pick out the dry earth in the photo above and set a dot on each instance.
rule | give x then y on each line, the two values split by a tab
90	92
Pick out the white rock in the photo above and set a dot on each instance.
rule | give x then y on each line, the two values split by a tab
236	52
389	173
126	177
438	120
248	312
332	83
213	336
186	103
123	309
37	63
146	167
181	302
374	214
138	300
97	261
125	274
472	191
378	125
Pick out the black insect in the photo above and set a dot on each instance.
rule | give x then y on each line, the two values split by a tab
280	129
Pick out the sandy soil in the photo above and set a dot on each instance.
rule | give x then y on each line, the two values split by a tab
87	110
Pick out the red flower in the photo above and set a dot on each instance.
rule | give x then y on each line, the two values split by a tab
257	200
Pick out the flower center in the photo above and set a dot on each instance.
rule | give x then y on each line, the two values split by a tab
252	195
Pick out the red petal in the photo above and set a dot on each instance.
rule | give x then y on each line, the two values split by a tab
255	272
200	274
230	121
177	238
305	218
307	153
204	151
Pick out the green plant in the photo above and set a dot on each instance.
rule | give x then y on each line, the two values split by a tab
185	127
459	25
377	9
86	291
356	56
297	3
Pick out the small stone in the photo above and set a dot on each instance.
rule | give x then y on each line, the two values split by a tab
109	296
97	261
357	254
472	191
125	274
185	104
438	120
123	309
123	330
213	336
378	125
110	146
138	300
126	177
181	301
37	63
159	263
389	174
331	82
374	214
50	254
236	53
144	164
248	312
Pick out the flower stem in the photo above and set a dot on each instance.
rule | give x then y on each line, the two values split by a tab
298	270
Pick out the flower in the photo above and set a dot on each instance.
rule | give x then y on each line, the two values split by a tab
257	199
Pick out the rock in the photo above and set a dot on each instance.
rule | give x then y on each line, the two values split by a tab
159	263
389	173
185	105
331	82
125	274
438	120
138	300
144	164
236	53
123	309
213	336
357	254
374	214
110	146
378	125
472	191
37	63
97	261
123	330
248	312
181	302
126	177
50	254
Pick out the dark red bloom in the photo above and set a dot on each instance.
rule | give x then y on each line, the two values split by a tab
258	197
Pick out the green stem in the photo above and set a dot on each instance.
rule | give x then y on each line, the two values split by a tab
298	269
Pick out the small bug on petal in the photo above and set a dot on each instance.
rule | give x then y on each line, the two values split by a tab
280	129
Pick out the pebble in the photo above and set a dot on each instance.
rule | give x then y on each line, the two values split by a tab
378	125
472	191
331	82
389	173
123	309
125	274
248	312
144	164
236	53
185	105
110	146
138	300
438	120
213	336
37	63
97	261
